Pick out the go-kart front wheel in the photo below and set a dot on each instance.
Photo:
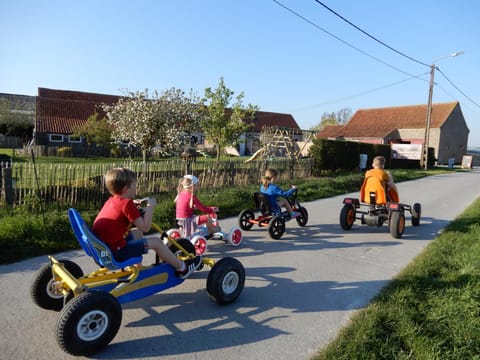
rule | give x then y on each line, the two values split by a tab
244	219
416	214
347	216
235	236
225	281
397	224
303	218
88	323
200	244
43	290
276	227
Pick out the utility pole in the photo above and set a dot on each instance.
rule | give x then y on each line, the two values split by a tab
428	119
426	138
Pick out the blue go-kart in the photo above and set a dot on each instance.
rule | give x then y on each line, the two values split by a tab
275	222
90	305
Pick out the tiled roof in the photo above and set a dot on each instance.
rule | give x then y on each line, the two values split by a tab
329	131
271	119
60	111
382	121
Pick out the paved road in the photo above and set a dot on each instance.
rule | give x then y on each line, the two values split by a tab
298	292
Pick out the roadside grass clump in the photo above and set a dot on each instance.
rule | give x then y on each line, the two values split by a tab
28	235
431	310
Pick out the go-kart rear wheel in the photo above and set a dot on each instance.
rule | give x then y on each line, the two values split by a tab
88	323
43	291
303	218
397	224
225	281
244	219
276	227
347	216
416	214
185	243
235	236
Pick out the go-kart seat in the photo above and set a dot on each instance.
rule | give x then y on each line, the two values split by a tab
262	203
373	192
94	247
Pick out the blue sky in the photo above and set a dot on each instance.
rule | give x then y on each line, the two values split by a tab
280	61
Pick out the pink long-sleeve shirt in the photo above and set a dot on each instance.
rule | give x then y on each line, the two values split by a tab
183	208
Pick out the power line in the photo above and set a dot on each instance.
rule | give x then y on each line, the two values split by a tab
365	53
455	86
360	94
341	40
370	36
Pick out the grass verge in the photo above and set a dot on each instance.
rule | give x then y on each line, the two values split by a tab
431	310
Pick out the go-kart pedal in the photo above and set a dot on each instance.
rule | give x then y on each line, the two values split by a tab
190	266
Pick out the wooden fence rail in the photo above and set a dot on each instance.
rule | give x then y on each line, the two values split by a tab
82	184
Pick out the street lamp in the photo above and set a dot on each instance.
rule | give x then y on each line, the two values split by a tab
424	159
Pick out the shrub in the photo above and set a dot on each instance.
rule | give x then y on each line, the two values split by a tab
65	151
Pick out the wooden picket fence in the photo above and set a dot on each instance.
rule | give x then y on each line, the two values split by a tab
67	185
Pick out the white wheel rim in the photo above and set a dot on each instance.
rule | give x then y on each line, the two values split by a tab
92	325
230	282
235	237
52	290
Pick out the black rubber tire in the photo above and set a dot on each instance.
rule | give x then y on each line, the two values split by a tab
397	224
347	216
276	227
88	323
416	214
225	281
42	291
185	243
303	218
243	219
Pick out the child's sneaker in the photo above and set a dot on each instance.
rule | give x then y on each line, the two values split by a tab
190	266
294	214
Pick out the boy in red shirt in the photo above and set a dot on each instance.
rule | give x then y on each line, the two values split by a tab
113	224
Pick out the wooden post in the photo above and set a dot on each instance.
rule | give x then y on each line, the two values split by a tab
8	185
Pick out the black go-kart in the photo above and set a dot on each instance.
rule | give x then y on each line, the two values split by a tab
275	222
372	214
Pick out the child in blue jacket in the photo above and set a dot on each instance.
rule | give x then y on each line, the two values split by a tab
272	191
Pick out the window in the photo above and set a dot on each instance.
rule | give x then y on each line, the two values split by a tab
74	139
55	137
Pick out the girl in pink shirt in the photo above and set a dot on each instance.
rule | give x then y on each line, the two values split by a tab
187	202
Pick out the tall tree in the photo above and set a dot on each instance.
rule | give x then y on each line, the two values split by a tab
225	118
334	118
135	118
95	131
14	120
146	121
180	117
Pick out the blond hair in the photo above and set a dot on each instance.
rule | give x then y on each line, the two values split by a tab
117	178
186	183
270	174
378	162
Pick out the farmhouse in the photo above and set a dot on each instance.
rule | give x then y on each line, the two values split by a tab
406	125
58	112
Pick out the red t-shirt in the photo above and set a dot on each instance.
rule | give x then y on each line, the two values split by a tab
113	222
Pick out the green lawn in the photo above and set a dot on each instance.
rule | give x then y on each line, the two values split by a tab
430	311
